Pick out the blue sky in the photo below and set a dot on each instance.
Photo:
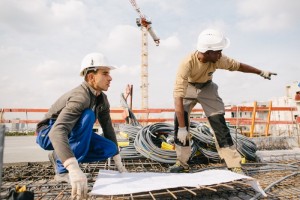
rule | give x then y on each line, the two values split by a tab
42	43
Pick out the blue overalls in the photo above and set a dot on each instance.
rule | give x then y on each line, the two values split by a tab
86	145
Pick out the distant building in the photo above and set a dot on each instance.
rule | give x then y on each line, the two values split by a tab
292	99
290	119
293	96
15	126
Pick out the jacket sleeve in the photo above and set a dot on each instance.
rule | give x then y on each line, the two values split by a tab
181	81
228	64
64	124
103	115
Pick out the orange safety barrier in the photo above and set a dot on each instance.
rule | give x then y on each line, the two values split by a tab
145	116
233	121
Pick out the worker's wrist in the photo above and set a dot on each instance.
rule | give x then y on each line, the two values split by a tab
261	73
182	128
264	73
71	163
117	158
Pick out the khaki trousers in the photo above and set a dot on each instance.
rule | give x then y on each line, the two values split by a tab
212	104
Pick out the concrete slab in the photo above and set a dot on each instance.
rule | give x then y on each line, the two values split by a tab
276	155
19	149
23	149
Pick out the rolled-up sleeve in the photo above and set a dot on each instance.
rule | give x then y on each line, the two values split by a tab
228	64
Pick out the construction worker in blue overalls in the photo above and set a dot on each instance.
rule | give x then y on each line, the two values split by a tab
68	126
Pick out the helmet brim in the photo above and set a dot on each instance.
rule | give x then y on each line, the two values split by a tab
205	47
100	67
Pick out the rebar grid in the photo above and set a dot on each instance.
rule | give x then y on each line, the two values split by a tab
288	189
272	143
38	178
219	191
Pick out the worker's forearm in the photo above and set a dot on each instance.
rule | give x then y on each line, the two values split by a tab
179	111
248	69
59	140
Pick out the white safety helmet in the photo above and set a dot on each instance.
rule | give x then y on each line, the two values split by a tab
94	61
211	39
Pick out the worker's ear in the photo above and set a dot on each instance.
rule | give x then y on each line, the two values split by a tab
89	77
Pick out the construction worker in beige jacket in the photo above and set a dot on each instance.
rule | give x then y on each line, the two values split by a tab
194	85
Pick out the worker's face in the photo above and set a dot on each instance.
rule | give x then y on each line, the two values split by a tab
213	56
100	80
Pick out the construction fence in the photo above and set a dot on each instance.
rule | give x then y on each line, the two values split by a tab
252	121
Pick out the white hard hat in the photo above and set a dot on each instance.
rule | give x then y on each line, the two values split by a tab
94	60
211	39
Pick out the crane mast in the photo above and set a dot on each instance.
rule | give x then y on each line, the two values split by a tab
146	28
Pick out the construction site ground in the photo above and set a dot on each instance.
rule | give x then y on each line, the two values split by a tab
26	164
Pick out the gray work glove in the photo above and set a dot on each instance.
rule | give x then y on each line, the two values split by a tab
78	179
118	162
266	74
182	135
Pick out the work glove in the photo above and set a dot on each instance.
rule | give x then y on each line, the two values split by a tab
182	135
119	164
78	179
266	74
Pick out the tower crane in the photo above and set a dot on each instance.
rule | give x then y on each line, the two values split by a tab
145	25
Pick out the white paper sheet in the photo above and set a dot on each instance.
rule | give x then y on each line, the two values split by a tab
114	183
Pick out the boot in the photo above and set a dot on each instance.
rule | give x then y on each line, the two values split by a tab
63	177
183	155
237	170
224	143
231	156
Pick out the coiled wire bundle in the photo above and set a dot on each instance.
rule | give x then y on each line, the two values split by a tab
147	141
205	142
246	147
131	131
203	139
129	152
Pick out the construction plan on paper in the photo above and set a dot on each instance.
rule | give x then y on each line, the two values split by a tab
114	183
